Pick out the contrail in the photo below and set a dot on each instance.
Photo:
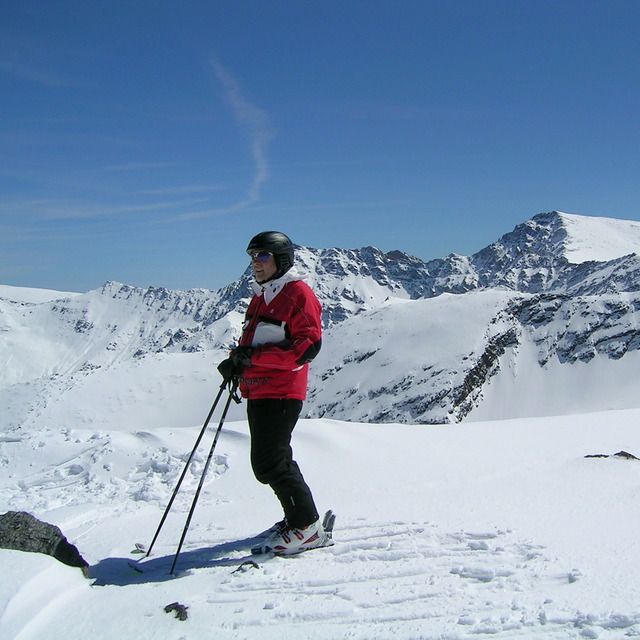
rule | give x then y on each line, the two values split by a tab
254	123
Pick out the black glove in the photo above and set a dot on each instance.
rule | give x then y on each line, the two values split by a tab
227	370
241	358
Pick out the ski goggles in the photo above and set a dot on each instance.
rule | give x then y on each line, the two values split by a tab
260	256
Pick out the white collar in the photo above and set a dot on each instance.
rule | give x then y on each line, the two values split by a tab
272	288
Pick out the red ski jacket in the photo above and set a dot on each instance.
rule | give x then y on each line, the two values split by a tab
283	326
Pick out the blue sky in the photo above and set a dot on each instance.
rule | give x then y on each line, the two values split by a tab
147	141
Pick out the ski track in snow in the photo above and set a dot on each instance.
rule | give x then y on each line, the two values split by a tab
381	579
406	580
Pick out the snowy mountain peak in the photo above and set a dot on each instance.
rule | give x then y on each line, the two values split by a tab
599	239
576	238
561	252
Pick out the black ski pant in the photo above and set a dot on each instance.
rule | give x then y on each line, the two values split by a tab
271	423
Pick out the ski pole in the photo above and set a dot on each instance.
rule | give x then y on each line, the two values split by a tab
186	466
232	396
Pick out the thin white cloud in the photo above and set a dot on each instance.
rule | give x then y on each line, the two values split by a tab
194	188
321	206
30	60
32	73
255	125
139	166
70	209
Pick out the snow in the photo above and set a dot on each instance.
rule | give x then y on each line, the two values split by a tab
497	526
32	296
404	358
525	389
599	239
493	528
407	346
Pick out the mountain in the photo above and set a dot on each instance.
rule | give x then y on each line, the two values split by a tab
510	344
543	320
481	355
552	252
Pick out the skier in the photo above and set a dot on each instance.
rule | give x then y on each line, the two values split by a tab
281	335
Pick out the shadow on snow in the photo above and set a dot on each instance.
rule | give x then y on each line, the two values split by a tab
122	572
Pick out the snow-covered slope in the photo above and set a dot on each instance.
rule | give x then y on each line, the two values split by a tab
482	355
24	294
501	530
591	239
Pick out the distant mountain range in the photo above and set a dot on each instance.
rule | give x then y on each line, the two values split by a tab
543	321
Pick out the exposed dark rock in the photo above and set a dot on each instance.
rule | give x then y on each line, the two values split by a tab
486	366
180	609
624	454
23	532
620	454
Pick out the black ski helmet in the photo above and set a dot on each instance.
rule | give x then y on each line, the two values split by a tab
277	243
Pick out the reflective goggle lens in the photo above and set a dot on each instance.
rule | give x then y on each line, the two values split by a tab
261	256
